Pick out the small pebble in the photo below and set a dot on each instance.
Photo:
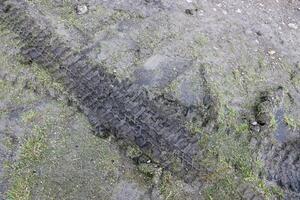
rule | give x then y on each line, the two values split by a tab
258	33
238	11
254	123
81	9
255	128
188	12
271	52
293	26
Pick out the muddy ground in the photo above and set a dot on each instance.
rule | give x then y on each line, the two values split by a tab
234	64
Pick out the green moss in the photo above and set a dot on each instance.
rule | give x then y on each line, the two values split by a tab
291	122
273	122
119	15
57	140
230	159
166	187
149	40
242	128
45	79
23	175
16	94
225	189
194	128
262	62
171	189
201	40
34	147
29	116
173	88
295	78
147	169
21	188
8	143
133	152
36	79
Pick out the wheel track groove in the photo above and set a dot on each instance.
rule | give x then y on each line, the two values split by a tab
122	108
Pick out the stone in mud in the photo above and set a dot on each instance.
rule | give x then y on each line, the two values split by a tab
81	9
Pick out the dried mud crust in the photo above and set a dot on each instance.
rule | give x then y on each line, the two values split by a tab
123	109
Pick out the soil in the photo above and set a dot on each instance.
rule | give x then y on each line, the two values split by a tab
205	94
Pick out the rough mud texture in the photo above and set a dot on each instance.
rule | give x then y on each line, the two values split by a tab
221	103
120	108
48	150
280	150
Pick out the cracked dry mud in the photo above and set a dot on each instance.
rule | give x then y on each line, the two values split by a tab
202	96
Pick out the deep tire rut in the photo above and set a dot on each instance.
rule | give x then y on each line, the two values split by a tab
121	108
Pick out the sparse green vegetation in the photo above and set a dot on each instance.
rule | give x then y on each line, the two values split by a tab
291	122
261	62
21	187
147	169
29	116
166	187
45	80
173	88
201	40
230	160
23	173
171	188
8	143
133	152
57	139
242	128
35	145
57	155
273	122
194	128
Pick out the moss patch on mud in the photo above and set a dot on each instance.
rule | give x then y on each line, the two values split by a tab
59	158
228	155
291	122
170	188
230	161
23	175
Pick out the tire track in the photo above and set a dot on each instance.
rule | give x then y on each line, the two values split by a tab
121	108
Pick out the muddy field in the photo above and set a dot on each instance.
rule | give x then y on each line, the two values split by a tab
149	99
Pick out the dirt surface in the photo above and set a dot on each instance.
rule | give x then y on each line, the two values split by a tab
48	149
226	73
